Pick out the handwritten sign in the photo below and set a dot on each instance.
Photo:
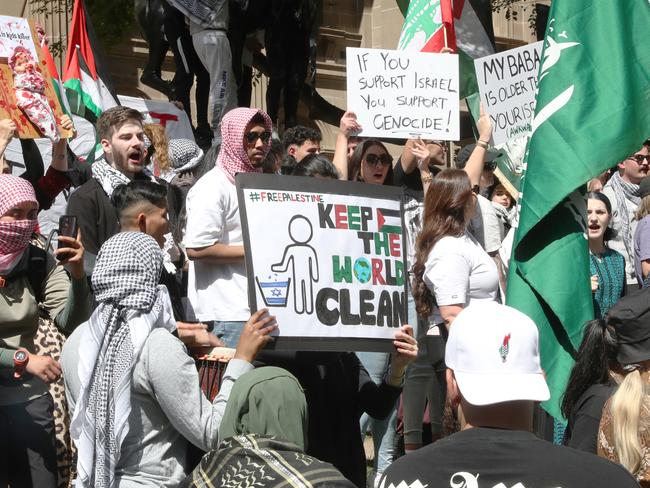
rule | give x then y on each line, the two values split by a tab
26	93
327	258
398	94
507	83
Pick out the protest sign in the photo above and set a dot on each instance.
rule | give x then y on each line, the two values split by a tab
404	94
507	84
327	258
26	93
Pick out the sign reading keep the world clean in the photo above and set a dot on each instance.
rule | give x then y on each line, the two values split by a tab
327	258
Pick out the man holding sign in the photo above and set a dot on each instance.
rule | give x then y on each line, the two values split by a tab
217	289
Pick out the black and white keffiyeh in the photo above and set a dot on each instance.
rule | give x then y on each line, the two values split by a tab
131	304
625	191
108	177
184	155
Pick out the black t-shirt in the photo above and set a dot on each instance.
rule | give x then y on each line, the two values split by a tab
412	181
488	458
582	428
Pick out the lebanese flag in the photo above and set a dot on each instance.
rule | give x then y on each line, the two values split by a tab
428	26
88	87
466	24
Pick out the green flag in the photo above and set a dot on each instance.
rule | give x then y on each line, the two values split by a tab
591	112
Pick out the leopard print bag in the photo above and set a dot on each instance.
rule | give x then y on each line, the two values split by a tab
49	342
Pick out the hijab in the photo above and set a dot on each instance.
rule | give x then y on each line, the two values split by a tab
232	158
131	304
14	235
268	402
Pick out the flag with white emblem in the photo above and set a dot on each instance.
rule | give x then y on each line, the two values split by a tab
591	112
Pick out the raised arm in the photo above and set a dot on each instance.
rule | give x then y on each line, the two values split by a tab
474	166
348	127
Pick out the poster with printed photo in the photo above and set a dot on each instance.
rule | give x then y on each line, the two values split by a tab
327	258
26	93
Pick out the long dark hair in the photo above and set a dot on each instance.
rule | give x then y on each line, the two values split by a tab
354	166
445	214
596	358
596	195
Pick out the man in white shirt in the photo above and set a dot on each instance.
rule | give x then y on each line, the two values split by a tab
217	286
623	192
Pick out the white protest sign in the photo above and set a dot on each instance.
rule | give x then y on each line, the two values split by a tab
507	83
404	94
326	258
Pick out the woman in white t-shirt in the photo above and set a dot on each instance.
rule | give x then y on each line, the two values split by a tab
451	268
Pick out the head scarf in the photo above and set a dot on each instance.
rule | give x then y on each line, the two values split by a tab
625	190
267	401
15	235
184	155
131	304
232	157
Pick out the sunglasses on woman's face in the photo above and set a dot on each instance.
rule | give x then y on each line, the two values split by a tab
252	137
373	159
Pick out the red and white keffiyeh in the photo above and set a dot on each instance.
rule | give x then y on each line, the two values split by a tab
14	235
232	157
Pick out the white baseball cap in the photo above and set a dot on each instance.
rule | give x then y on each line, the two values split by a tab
493	350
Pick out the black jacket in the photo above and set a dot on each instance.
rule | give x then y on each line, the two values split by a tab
338	390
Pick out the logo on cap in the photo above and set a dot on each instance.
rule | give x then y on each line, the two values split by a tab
503	350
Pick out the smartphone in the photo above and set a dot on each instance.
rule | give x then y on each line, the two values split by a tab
68	226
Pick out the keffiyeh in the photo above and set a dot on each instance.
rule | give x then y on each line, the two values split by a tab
625	191
184	155
110	178
131	304
232	157
15	235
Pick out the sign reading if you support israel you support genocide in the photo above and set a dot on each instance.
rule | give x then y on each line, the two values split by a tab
507	83
404	94
326	258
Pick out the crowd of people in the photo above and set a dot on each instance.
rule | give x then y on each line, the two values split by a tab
98	338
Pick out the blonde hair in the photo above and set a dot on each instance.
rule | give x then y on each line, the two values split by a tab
159	145
629	409
643	209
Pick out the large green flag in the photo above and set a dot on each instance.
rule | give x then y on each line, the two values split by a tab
592	111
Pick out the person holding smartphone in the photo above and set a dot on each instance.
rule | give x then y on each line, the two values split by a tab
32	283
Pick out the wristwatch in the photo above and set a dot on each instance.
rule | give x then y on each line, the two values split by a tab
21	358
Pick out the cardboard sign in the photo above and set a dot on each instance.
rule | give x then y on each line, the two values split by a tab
26	92
327	258
507	83
404	94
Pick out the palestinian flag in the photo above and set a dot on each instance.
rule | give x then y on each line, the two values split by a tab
54	76
87	84
467	27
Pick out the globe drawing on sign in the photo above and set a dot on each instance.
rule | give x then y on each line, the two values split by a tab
362	270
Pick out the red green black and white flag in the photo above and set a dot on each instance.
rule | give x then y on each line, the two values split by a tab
88	87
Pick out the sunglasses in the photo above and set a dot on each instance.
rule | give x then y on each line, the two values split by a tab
373	159
491	166
639	158
252	137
